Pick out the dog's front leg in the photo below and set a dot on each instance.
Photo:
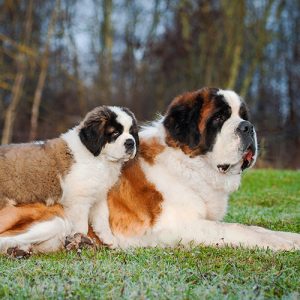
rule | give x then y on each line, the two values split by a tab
213	233
99	220
78	215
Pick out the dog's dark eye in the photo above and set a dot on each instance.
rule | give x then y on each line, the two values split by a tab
219	119
244	115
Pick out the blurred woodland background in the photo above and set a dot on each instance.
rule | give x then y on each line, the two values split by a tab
60	58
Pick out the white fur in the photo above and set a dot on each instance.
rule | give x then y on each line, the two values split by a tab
122	117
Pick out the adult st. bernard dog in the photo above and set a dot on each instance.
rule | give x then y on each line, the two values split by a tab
75	170
176	191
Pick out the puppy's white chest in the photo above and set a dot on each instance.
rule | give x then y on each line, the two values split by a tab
90	181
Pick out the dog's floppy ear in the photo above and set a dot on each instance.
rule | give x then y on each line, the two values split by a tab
182	119
92	132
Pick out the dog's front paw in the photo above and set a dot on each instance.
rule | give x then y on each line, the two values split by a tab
78	241
278	240
16	252
280	243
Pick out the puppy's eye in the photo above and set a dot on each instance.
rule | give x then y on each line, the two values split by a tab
115	134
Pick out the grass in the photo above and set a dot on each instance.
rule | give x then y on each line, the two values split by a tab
267	198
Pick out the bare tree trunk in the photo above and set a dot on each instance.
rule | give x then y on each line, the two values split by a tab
106	52
42	77
234	15
262	40
10	114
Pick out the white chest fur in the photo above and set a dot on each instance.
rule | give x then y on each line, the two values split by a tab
191	188
90	180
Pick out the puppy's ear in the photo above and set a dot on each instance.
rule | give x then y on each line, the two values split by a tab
135	134
182	120
92	133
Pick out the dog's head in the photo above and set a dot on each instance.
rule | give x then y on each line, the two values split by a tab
212	122
111	131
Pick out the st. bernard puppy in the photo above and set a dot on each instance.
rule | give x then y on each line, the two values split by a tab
175	191
75	170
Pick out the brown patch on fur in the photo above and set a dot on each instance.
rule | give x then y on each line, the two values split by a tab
150	149
17	219
134	203
207	111
31	172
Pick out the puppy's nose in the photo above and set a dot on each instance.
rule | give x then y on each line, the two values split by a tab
129	145
245	127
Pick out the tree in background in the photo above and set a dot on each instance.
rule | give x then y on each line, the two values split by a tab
79	54
21	66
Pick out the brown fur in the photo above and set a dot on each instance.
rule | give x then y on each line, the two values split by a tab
31	172
15	220
150	149
93	236
134	203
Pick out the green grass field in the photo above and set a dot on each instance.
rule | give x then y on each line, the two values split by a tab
267	198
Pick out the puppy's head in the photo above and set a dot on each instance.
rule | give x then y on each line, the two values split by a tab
212	122
111	131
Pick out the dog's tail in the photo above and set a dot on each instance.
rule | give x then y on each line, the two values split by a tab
16	219
45	236
30	224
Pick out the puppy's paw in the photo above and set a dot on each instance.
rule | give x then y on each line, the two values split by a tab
78	241
16	252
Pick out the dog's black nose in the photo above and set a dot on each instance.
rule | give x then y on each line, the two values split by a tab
129	145
245	127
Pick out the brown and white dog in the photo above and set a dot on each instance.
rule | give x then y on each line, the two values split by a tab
75	170
175	191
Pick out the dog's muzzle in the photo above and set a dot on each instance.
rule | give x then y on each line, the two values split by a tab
129	146
246	132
